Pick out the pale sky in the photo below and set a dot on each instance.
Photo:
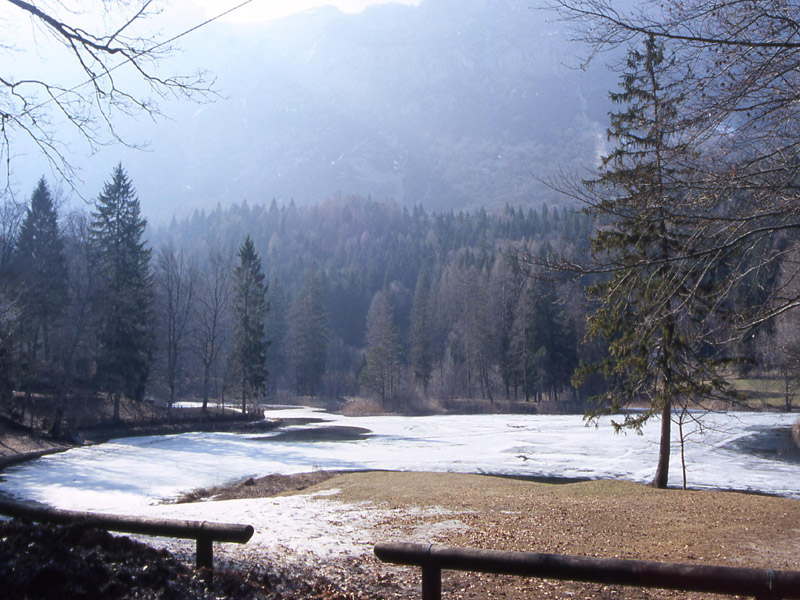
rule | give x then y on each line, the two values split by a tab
259	11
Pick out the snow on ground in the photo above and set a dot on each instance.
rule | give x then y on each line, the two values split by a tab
307	528
133	475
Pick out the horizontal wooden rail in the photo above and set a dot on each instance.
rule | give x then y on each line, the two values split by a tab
761	583
204	532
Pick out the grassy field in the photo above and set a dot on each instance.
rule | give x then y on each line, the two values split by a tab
766	392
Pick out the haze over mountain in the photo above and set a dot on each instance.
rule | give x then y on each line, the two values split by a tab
452	104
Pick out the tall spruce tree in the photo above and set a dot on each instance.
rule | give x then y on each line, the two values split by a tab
651	307
123	303
43	271
552	352
11	216
276	328
250	308
420	334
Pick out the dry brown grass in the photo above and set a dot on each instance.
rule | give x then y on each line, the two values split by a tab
595	518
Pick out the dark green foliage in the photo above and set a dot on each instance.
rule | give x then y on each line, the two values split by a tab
420	334
8	359
651	307
43	284
123	303
551	347
250	309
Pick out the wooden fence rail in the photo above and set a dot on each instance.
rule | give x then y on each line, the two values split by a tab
203	532
760	583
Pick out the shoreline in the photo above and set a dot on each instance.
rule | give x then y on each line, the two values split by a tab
19	444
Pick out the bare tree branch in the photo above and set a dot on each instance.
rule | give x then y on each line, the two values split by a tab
36	109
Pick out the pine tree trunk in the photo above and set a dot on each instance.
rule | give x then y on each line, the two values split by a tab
662	470
244	396
206	381
171	401
116	407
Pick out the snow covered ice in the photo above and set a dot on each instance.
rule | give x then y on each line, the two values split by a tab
135	475
123	474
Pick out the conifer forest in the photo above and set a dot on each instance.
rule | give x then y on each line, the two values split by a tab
350	296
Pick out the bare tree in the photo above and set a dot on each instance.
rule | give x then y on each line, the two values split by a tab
11	216
213	320
176	277
381	373
113	58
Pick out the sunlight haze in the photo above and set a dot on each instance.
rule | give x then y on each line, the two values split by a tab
267	10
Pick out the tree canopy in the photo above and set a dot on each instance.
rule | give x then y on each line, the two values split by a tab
123	300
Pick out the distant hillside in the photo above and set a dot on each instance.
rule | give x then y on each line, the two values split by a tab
453	104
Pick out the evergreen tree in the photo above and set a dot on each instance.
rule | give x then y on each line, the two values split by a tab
552	349
250	308
43	269
123	303
8	361
11	217
309	334
518	352
506	285
421	341
651	309
276	328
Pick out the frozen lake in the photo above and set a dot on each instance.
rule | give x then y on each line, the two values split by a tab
127	475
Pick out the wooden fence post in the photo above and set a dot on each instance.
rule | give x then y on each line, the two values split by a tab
763	584
205	552
203	532
431	582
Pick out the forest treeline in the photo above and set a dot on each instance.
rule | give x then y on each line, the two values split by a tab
362	297
402	304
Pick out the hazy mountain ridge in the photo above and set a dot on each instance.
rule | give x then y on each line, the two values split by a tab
451	104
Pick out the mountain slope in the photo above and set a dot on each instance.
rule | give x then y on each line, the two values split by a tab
451	104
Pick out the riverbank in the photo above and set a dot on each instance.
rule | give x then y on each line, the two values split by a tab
27	428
